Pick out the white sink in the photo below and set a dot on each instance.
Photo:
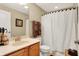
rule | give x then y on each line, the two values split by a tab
17	43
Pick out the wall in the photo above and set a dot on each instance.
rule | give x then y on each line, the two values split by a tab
78	21
35	14
15	14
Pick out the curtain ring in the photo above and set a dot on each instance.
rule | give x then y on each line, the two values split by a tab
62	10
58	10
74	8
70	8
66	9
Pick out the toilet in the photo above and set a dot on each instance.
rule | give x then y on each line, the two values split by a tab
44	50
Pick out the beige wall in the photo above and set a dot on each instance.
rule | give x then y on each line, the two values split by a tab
78	21
15	14
35	13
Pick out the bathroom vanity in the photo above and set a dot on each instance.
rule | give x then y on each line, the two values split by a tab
27	47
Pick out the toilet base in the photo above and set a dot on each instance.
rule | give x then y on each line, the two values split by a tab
53	53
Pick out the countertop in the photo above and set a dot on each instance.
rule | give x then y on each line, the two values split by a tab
12	46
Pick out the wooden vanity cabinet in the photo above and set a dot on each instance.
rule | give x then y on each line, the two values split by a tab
21	52
32	50
17	53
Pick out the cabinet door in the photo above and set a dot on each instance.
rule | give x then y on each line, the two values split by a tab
34	50
26	51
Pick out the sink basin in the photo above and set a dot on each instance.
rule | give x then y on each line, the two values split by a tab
18	43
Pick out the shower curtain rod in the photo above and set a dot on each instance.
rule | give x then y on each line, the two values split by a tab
60	10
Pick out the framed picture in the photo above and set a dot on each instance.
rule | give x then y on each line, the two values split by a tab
19	22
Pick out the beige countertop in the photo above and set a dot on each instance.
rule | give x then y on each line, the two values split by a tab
12	46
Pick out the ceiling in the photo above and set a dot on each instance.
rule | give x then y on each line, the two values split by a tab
45	6
17	7
54	6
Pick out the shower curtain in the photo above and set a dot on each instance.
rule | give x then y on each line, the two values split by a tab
58	29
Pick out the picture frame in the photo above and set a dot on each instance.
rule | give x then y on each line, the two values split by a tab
19	22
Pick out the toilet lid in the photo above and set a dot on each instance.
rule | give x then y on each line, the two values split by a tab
45	47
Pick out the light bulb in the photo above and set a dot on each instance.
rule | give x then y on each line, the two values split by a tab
22	3
25	6
56	7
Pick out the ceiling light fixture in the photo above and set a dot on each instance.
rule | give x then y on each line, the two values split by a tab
26	7
56	7
22	3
